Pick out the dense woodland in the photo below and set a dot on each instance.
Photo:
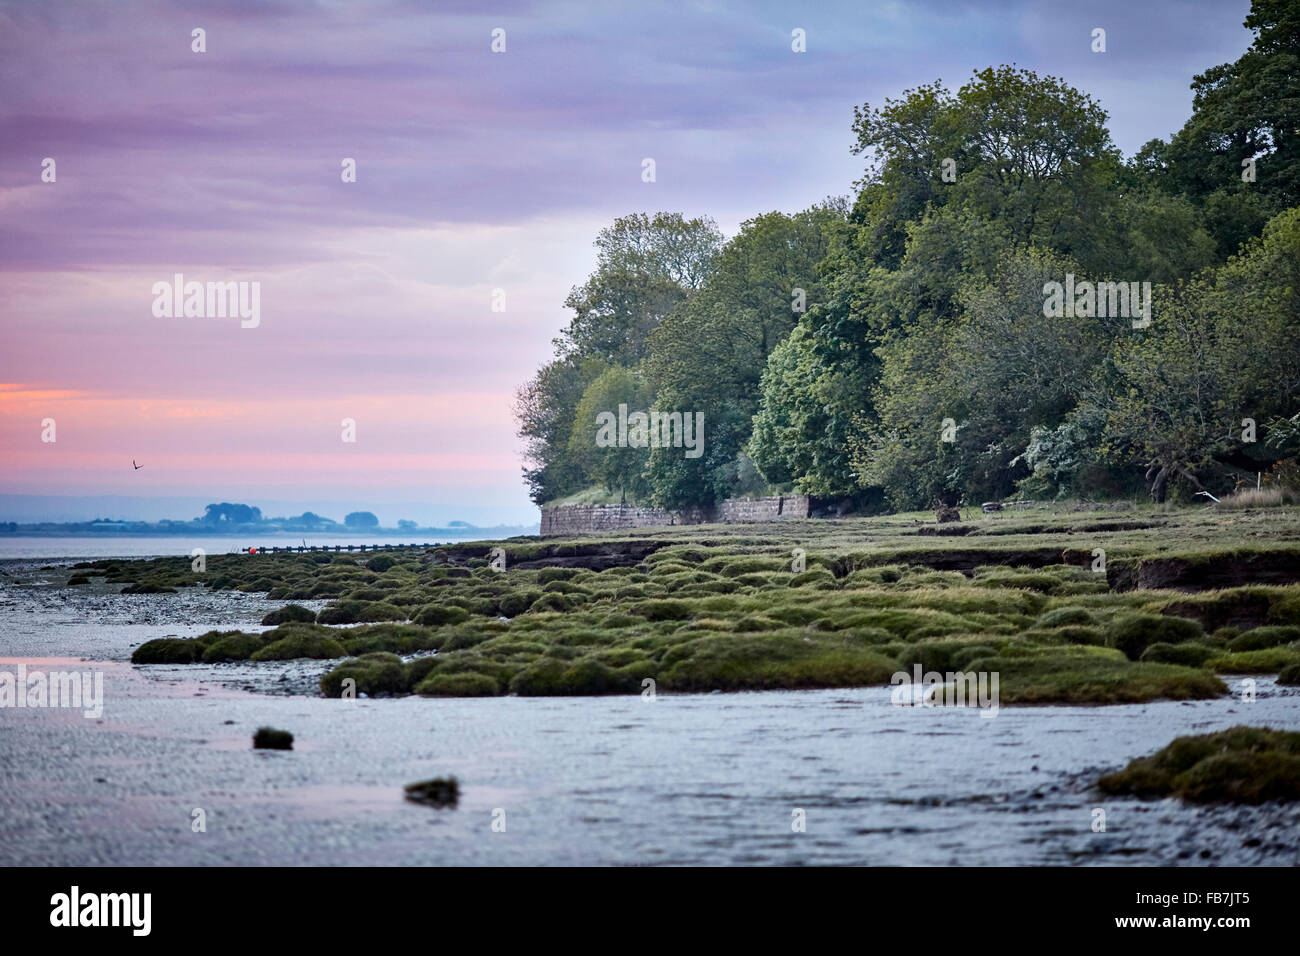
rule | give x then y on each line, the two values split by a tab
922	368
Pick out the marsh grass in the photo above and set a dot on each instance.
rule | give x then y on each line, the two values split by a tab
1238	765
1272	497
721	608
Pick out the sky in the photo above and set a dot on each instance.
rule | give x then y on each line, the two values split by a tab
476	171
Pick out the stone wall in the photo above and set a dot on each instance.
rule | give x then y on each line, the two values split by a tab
763	509
591	519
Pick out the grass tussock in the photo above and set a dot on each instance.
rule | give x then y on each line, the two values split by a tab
696	609
1238	765
1272	497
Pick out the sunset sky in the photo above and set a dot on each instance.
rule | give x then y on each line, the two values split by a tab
475	171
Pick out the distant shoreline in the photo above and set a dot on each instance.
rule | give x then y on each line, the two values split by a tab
150	531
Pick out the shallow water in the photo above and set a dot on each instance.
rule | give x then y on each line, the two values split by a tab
683	779
109	545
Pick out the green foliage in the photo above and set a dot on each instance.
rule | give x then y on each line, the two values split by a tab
646	267
924	369
876	597
1190	654
168	650
1263	637
1269	660
375	674
709	354
299	645
466	684
380	611
290	612
545	408
1133	633
781	659
236	647
1188	378
1240	112
1062	616
1093	675
594	442
433	615
1238	765
344	612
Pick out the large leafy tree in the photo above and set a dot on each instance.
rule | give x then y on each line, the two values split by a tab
925	303
999	371
617	466
544	409
958	183
1247	110
1028	151
646	266
1222	348
227	513
803	429
708	356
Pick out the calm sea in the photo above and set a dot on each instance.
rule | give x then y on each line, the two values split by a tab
103	546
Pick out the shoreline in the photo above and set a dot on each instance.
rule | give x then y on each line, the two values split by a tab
702	777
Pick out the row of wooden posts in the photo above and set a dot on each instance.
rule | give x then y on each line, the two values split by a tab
299	549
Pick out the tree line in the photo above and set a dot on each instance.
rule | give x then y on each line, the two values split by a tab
893	349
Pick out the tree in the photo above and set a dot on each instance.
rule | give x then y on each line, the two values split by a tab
1241	112
1221	348
1000	370
925	366
1031	163
1027	151
311	520
227	513
360	520
617	466
544	409
803	427
708	355
645	267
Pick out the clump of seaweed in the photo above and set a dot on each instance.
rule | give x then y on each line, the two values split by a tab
695	611
1134	633
376	674
289	613
1238	765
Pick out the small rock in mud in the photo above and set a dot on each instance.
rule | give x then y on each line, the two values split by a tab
268	738
439	792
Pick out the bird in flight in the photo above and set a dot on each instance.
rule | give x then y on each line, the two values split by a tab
137	467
